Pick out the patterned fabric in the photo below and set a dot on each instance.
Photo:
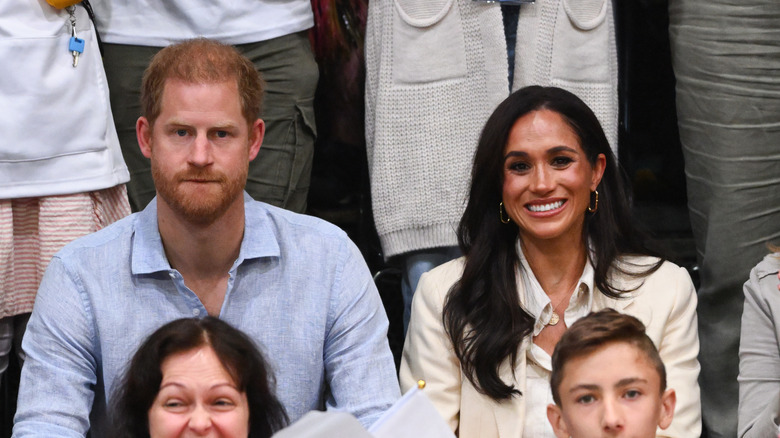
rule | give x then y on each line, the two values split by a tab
33	229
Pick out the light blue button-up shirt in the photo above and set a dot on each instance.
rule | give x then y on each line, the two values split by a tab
299	287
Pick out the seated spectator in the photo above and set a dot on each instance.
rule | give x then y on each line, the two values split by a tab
294	284
200	377
547	238
759	352
608	380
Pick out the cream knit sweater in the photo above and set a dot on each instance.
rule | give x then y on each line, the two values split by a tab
436	69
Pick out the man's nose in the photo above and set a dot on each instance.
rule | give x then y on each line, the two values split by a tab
201	151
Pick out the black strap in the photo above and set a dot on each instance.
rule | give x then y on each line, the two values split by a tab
91	14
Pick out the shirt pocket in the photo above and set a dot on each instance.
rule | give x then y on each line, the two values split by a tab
50	108
428	42
583	35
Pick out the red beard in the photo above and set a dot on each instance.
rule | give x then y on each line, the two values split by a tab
199	196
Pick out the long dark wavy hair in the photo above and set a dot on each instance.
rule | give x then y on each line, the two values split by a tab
482	313
237	353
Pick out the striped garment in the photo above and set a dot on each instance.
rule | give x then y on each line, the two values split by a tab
33	229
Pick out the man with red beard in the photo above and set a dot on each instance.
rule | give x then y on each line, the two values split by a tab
295	284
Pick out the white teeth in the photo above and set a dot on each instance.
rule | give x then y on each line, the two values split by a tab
545	207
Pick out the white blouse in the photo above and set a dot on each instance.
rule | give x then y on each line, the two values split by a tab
539	364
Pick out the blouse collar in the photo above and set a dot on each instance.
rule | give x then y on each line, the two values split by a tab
536	302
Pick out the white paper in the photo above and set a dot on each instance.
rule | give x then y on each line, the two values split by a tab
412	416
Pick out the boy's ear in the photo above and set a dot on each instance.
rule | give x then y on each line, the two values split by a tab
668	401
555	417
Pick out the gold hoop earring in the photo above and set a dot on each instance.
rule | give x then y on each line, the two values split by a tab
501	213
596	206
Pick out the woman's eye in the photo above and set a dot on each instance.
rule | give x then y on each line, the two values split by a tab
173	404
519	166
224	403
561	161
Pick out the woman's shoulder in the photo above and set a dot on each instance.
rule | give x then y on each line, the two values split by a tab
661	299
667	279
450	269
636	265
436	283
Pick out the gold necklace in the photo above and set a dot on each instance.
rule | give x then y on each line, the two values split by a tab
554	319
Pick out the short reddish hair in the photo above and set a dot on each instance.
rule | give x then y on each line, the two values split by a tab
199	61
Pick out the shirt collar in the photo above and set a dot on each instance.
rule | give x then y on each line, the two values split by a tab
148	256
537	303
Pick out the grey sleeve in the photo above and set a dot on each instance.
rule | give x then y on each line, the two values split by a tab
759	358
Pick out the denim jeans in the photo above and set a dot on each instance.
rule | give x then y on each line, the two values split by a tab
415	264
11	333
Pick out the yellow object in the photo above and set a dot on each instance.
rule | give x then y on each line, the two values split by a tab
421	384
62	4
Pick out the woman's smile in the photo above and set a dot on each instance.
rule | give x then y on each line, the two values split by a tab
544	208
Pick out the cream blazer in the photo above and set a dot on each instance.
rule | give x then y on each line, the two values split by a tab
665	303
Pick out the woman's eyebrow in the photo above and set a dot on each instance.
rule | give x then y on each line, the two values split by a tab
515	154
562	148
552	151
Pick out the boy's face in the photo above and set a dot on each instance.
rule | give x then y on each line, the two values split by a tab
612	392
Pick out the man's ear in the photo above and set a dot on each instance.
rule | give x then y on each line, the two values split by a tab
256	134
668	401
555	417
143	131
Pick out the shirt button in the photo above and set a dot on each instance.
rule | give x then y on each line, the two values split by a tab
172	274
196	312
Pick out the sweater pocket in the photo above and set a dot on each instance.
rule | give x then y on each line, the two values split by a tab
586	14
583	35
428	43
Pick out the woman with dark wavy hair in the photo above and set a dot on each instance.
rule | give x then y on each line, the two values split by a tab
547	238
200	377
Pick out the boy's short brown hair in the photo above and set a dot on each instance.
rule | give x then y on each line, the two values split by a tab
595	331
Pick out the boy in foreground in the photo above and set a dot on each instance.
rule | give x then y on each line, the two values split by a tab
608	380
